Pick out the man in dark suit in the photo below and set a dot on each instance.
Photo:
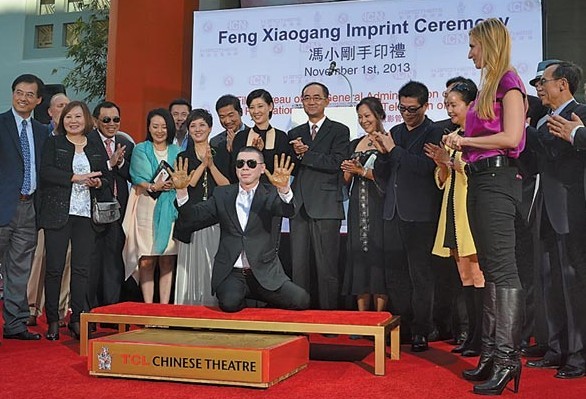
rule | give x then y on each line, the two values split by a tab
247	263
107	277
411	210
563	227
320	145
230	114
21	142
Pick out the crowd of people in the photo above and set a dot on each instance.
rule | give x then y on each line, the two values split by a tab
500	193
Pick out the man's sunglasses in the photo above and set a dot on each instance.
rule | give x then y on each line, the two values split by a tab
107	119
250	162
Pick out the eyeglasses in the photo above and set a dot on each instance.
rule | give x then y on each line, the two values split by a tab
29	95
252	163
410	110
543	81
315	99
107	119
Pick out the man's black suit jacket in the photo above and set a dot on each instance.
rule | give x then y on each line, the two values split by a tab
259	240
12	165
120	175
56	185
408	175
562	176
318	182
580	139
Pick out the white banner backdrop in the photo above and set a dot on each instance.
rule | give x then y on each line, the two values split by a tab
377	46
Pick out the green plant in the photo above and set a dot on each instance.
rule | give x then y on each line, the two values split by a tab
89	49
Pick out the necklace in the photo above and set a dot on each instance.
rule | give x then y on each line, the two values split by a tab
200	155
84	142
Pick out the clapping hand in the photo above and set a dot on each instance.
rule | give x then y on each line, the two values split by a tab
118	156
383	142
281	173
453	140
562	128
91	179
299	146
207	159
258	142
439	155
180	177
352	166
230	134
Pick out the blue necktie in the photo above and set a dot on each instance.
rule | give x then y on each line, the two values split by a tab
26	155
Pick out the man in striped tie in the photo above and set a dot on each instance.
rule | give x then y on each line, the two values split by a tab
21	141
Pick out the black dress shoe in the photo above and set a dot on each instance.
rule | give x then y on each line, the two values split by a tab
25	335
419	344
460	348
471	352
74	328
533	351
543	364
53	331
567	372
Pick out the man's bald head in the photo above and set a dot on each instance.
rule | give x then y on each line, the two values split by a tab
56	105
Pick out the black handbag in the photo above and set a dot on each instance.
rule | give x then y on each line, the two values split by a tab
105	212
161	174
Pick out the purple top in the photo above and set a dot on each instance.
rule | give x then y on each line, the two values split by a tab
476	126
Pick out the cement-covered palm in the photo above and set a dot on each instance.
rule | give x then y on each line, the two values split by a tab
281	172
180	177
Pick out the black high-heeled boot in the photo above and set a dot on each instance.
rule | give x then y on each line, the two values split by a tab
74	328
468	292
485	363
53	331
510	304
474	346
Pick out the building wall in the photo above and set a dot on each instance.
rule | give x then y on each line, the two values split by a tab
564	33
17	46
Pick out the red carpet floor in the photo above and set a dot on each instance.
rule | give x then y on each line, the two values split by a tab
339	368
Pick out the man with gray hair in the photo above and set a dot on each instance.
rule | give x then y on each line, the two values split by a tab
563	225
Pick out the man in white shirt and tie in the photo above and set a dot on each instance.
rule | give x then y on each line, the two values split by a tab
21	141
247	263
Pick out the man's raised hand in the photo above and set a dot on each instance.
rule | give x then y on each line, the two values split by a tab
180	177
281	173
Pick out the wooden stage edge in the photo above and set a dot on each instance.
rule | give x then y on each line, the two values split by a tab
202	381
391	328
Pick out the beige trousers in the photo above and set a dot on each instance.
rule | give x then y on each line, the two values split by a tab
36	282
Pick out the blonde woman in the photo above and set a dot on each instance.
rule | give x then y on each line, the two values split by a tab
494	138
